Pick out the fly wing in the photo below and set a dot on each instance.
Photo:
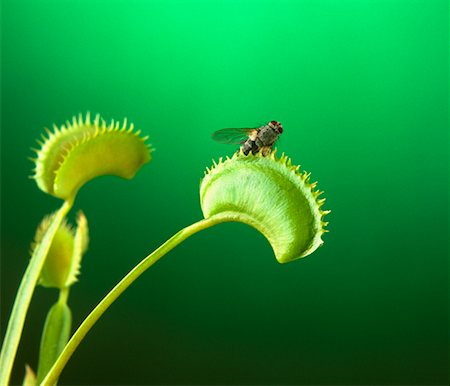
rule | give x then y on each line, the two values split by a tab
233	136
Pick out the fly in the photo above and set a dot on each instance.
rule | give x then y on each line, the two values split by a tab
251	139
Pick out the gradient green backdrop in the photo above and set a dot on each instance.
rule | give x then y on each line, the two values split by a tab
361	88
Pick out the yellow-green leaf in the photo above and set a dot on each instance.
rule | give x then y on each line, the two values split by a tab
81	150
270	194
63	260
54	337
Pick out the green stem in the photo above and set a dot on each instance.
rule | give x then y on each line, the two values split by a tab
63	295
138	270
24	295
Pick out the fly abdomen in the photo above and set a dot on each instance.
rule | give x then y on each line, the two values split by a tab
249	146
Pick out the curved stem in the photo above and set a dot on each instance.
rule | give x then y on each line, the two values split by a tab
24	295
138	270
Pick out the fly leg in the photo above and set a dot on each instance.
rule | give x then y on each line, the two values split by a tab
266	150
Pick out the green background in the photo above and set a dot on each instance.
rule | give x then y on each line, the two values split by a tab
361	88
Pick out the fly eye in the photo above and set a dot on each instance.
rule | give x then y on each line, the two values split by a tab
274	123
280	129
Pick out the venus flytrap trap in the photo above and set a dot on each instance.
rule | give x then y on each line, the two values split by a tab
70	156
82	150
271	195
63	261
60	271
265	192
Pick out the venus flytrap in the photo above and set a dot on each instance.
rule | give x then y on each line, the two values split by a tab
69	157
61	269
82	150
271	195
265	192
63	261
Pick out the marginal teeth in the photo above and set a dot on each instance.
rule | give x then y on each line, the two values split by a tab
60	141
284	160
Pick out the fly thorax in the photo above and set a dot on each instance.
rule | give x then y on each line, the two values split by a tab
267	136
